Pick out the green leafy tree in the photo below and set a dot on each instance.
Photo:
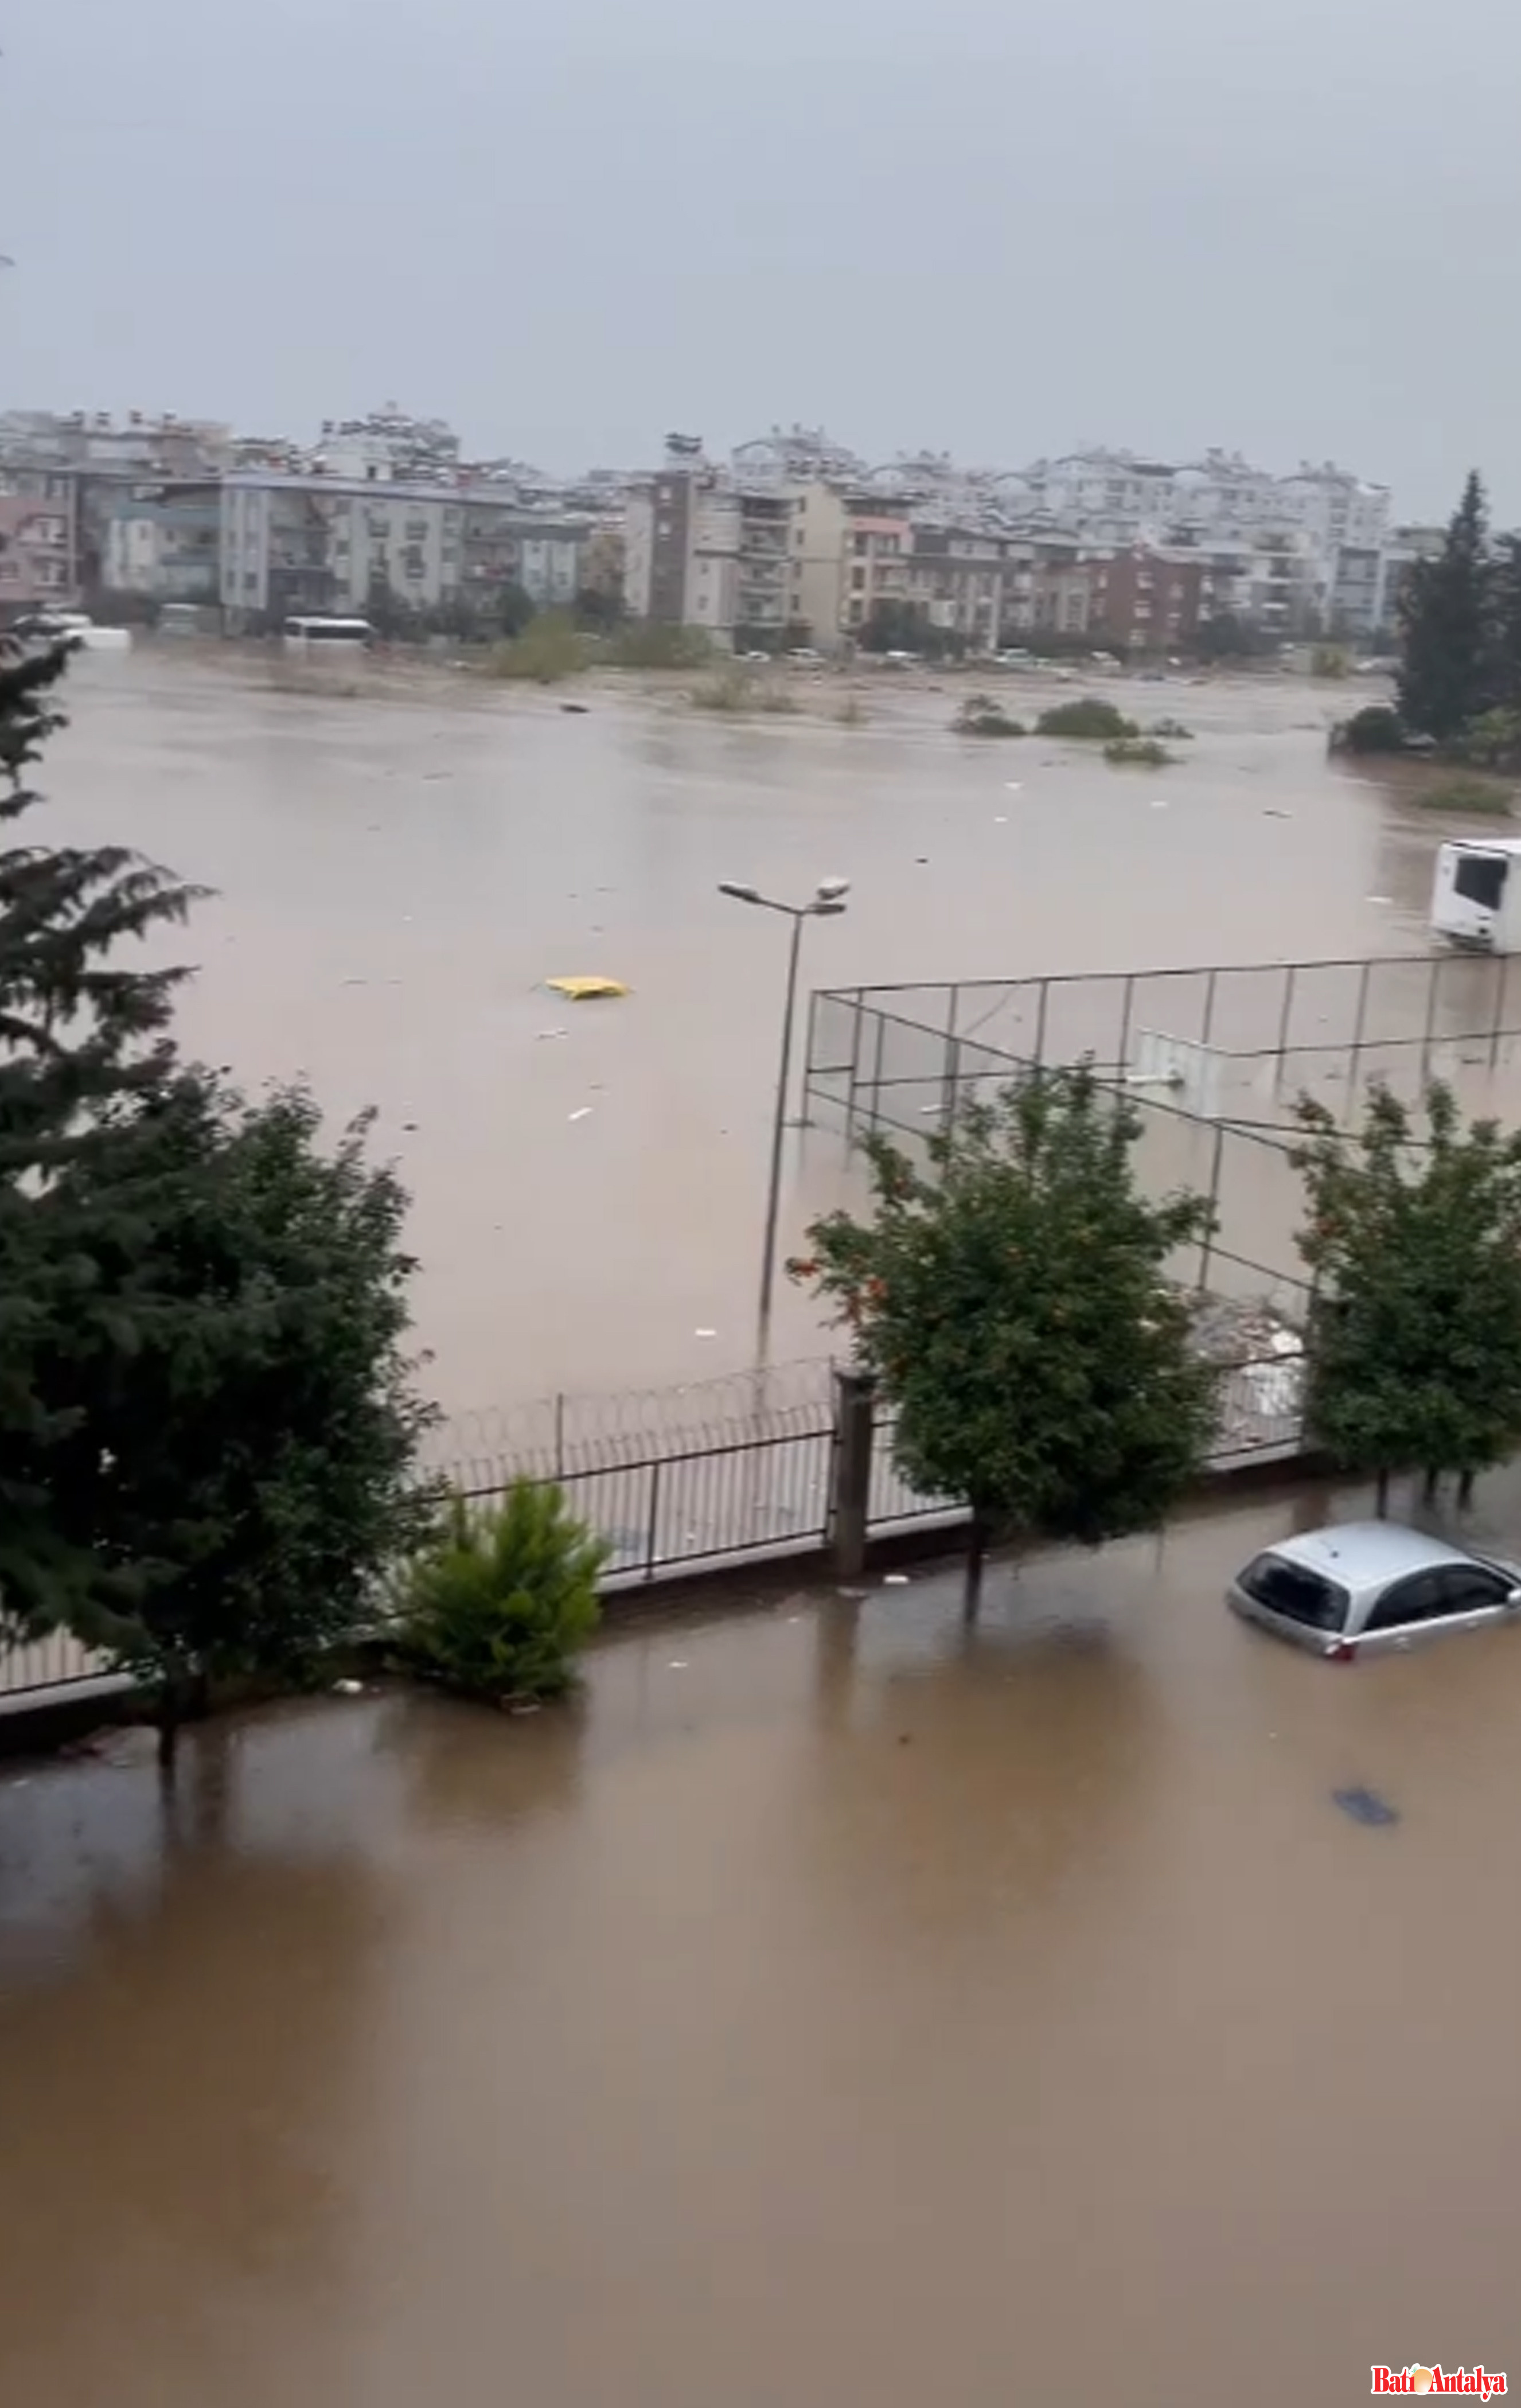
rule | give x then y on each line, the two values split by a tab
1447	663
1226	637
81	1038
502	1600
243	1470
1014	1306
516	610
1412	1234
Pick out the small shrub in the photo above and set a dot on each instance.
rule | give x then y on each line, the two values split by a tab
1091	721
733	691
1492	741
980	715
1466	794
1330	661
1174	729
852	713
505	1598
648	646
1139	751
1375	729
549	649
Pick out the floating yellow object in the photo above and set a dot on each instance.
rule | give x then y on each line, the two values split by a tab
585	990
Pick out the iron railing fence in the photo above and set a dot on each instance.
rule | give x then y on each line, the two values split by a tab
752	1492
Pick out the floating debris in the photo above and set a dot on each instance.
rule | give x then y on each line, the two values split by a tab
586	990
581	1113
1364	1806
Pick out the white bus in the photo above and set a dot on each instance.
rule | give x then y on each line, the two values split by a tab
353	635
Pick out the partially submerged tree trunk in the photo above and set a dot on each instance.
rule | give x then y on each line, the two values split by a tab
976	1546
184	1696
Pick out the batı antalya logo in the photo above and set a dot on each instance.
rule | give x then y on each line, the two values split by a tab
1474	2380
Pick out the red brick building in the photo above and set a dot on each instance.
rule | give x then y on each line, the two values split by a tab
1145	601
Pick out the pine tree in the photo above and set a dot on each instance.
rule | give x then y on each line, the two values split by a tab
1447	615
79	1038
243	1471
1015	1307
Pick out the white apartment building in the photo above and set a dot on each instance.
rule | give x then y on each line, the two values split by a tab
292	543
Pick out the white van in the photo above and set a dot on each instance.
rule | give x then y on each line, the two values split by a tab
326	635
1476	894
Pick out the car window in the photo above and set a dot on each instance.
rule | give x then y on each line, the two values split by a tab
1296	1592
1424	1597
1468	1588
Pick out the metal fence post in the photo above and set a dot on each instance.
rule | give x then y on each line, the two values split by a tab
1209	1007
1358	1035
1122	1064
1285	1019
853	1088
875	1112
1501	962
651	1536
855	1392
1432	986
952	1062
559	1434
1208	1243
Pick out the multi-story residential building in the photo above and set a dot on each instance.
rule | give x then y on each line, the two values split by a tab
166	542
36	552
304	543
1357	599
955	579
876	569
1146	599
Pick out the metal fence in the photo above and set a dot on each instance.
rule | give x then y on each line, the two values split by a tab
735	1487
1266	1013
1213	1060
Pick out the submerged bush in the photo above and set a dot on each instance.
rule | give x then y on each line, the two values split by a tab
549	649
980	715
1466	794
1373	729
1173	728
1139	751
503	1600
733	691
648	645
1090	720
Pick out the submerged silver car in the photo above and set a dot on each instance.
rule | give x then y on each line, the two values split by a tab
1360	1587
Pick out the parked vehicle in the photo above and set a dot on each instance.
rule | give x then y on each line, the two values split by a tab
323	633
1359	1588
1476	894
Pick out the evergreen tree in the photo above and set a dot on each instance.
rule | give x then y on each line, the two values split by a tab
243	1471
1447	663
1413	1236
1507	623
79	1039
1015	1309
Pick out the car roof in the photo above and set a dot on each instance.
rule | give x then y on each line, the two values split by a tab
1366	1554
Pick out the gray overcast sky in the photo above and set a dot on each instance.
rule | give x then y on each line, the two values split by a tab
990	227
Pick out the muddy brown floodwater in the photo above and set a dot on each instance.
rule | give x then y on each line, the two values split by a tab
402	860
836	2006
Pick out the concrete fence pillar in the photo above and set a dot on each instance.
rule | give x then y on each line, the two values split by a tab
855	1405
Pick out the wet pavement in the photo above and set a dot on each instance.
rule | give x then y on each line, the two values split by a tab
836	2005
403	858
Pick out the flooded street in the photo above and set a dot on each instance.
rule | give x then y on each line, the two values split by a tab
835	2006
399	869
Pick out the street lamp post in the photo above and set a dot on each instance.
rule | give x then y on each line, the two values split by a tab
827	903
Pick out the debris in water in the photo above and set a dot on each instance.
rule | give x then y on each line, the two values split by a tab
677	1664
1000	819
1012	786
574	710
1158	803
409	1128
1278	815
1382	899
354	982
581	1113
1364	1806
586	990
347	1688
546	1034
705	1333
895	1579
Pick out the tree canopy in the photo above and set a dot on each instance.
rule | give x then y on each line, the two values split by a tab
1015	1306
207	1429
1413	1236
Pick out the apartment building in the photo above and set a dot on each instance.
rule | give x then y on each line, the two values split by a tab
875	569
1146	599
36	552
293	543
166	542
745	563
